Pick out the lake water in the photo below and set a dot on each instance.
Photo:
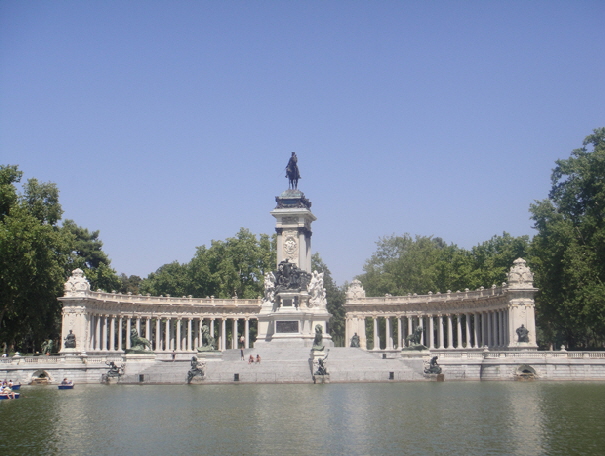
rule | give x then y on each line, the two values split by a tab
454	418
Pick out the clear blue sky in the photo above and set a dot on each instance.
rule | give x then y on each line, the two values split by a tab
166	124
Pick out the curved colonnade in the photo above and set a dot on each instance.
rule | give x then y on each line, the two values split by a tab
102	321
461	320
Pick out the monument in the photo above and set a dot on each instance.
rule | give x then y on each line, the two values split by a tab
294	302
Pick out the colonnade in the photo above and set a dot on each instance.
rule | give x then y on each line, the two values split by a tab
474	329
111	333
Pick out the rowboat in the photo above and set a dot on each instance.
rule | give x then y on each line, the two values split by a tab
5	396
66	386
16	387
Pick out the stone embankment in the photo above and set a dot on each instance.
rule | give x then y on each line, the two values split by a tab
294	365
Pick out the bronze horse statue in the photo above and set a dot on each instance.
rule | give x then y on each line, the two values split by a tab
292	172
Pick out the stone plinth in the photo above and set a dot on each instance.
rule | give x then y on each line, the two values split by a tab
135	363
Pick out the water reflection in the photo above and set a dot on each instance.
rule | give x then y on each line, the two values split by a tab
471	418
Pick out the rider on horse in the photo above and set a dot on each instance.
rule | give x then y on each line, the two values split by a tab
292	171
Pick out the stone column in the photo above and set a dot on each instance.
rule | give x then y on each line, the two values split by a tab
489	329
422	334
120	333
506	329
376	336
212	332
467	327
476	330
97	332
178	335
400	338
158	334
431	332
441	341
128	325
234	336
458	331
223	334
167	334
138	324
103	333
450	338
247	332
189	333
112	334
148	328
484	326
388	333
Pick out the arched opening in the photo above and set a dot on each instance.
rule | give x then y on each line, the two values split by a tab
40	377
525	372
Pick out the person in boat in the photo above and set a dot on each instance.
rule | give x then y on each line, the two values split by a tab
65	382
8	392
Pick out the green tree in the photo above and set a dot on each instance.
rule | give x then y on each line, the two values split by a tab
130	284
492	260
402	264
87	254
233	267
335	297
170	279
33	254
568	253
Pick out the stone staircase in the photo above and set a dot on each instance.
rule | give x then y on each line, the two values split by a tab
286	365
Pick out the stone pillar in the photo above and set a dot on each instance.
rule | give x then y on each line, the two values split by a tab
476	330
388	333
212	333
104	333
112	334
506	329
484	326
431	332
234	335
293	228
247	333
178	335
450	338
158	334
492	328
128	327
167	334
441	341
400	338
97	332
189	333
467	327
376	336
458	331
120	333
195	328
148	328
223	334
138	324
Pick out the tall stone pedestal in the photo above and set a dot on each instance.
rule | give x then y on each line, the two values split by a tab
294	303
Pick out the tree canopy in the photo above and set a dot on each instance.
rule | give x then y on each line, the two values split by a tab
568	251
36	257
233	267
402	264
